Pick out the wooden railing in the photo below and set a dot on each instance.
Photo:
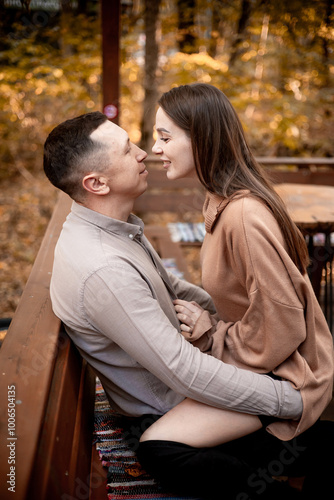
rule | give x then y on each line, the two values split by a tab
164	195
47	396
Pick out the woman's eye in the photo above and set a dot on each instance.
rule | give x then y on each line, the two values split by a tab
164	139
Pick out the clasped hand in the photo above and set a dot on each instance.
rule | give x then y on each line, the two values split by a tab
187	313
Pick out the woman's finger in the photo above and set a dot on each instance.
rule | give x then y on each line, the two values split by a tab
192	306
187	320
185	328
188	309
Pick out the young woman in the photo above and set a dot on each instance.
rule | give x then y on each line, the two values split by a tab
254	262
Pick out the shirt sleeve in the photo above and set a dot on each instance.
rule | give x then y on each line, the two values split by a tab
125	311
188	291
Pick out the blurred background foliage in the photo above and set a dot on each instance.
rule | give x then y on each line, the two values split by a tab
274	60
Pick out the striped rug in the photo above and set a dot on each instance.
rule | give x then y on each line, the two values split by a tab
126	478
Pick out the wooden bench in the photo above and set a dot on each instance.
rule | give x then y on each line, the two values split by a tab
47	391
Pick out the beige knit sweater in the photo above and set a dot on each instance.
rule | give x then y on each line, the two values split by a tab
268	318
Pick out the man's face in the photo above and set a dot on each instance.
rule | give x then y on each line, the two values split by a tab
126	173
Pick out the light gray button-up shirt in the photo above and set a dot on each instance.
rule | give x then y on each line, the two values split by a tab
112	293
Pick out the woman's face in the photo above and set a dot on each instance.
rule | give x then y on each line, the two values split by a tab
174	147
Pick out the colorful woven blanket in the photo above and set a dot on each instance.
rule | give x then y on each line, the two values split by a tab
126	479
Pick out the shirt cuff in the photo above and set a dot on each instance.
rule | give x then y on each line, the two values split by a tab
291	402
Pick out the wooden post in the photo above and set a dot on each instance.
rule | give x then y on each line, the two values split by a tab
110	16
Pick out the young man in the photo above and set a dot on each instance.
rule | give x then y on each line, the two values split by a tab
114	297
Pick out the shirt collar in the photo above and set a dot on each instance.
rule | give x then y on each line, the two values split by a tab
133	228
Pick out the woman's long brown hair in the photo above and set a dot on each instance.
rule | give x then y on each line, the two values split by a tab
223	160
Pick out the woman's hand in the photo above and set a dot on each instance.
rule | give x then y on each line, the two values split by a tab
187	313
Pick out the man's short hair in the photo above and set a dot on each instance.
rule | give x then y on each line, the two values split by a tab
70	153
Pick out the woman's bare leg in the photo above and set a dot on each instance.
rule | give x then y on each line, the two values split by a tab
200	425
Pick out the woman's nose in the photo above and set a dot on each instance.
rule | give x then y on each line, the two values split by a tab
156	149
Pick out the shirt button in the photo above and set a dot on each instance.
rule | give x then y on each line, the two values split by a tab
131	236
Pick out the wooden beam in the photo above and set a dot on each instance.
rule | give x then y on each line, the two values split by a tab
110	18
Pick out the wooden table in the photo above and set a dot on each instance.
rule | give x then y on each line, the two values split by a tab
310	206
312	209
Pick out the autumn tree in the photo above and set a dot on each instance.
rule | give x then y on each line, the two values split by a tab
274	60
151	16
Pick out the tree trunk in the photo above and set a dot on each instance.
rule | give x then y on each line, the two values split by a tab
186	23
151	17
325	43
215	20
241	29
65	28
82	7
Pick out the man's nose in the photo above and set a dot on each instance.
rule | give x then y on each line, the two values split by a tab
141	154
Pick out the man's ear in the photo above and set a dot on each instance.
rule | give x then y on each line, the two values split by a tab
96	184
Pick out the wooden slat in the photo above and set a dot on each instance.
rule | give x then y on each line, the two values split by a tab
303	176
80	465
54	473
98	478
27	358
157	179
293	160
169	202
